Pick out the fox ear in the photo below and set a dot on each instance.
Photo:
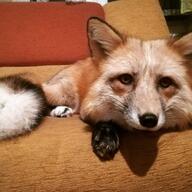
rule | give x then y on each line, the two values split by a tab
103	39
184	45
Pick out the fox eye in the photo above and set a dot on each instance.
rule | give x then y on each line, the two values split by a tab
165	82
126	79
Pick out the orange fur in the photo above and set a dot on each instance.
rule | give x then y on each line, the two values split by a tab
70	85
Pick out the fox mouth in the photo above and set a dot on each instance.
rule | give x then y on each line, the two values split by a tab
141	128
147	129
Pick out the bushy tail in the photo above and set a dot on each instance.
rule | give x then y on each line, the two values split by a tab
22	106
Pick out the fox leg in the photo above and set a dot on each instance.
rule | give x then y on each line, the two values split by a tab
63	97
105	140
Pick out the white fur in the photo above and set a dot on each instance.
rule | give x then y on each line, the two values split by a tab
18	111
62	111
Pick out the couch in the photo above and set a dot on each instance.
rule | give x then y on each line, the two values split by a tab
57	156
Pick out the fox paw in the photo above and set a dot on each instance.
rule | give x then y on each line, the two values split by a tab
105	140
62	111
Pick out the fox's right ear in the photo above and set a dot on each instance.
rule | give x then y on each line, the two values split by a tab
184	45
103	38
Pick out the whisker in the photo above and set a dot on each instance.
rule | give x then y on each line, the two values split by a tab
119	105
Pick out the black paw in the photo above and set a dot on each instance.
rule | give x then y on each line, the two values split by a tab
105	140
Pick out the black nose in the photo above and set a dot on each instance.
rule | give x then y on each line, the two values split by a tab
148	120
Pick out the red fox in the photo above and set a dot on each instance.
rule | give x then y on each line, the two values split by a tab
134	84
128	83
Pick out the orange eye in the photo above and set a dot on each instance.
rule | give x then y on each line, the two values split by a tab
165	82
126	79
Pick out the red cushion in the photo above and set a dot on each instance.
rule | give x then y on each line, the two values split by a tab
44	33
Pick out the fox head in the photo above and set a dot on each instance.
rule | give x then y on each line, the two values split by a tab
145	85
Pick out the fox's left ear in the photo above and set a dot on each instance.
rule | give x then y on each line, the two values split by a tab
103	38
184	45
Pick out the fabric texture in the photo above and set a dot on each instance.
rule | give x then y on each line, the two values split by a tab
144	19
44	33
58	157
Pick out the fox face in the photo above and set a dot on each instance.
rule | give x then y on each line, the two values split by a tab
142	85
